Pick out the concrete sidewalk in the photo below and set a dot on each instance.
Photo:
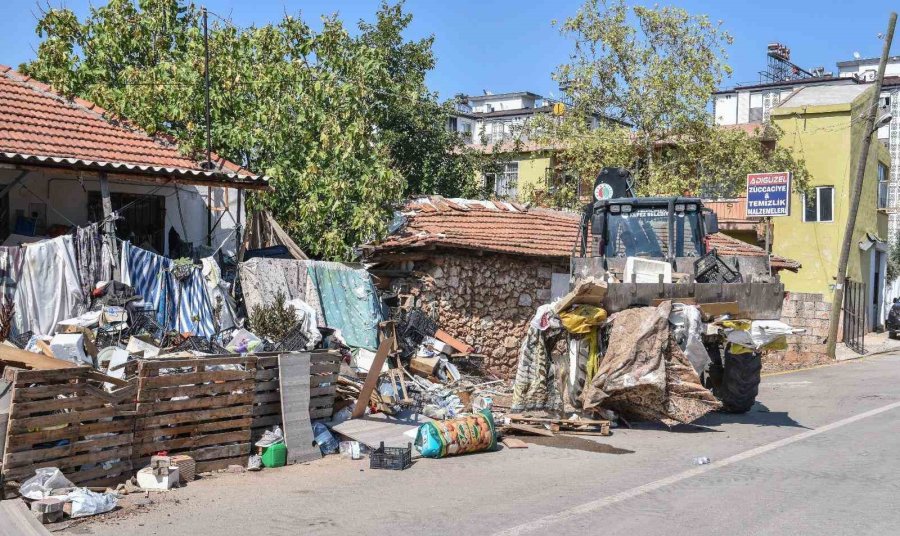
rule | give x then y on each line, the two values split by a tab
875	344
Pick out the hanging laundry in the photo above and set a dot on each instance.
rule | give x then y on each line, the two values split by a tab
49	289
11	259
222	303
195	312
349	302
94	259
148	274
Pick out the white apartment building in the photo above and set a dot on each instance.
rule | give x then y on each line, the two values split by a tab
497	117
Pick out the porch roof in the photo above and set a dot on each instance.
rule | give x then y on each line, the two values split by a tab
41	128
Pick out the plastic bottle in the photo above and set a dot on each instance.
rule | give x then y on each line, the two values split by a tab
701	460
326	442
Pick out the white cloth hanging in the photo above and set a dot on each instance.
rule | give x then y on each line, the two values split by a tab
50	288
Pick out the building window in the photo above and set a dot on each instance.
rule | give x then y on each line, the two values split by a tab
503	184
756	107
452	124
882	185
819	204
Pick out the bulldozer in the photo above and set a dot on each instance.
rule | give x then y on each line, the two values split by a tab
619	231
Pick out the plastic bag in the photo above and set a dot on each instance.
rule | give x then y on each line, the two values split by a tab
582	319
87	503
471	433
42	484
243	342
762	335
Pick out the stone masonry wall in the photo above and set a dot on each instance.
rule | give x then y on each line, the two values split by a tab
486	300
806	311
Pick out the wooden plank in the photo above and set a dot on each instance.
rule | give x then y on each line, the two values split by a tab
151	434
326	390
72	462
295	415
321	413
320	379
191	362
50	376
14	459
16	520
32	360
271	396
45	421
222	451
372	379
42	392
206	402
267	374
192	416
192	442
513	443
78	403
20	441
266	421
268	385
267	409
162	393
173	380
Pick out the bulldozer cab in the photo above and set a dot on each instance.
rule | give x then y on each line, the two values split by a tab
618	226
661	228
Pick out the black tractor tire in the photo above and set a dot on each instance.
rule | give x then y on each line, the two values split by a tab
740	382
712	376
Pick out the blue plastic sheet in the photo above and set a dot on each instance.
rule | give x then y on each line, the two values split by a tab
181	305
349	302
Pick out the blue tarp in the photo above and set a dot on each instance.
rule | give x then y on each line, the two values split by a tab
180	305
349	302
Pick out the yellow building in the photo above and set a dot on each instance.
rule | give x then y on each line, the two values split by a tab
822	125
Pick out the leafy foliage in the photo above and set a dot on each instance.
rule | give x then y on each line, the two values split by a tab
343	124
274	320
640	79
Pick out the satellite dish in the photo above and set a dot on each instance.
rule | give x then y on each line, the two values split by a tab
856	55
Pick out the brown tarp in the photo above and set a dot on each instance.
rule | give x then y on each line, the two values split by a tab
644	374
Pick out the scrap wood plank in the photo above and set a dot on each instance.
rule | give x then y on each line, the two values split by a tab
454	343
556	425
16	520
526	429
372	379
32	360
293	374
513	443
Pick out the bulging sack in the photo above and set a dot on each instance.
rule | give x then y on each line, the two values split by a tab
469	433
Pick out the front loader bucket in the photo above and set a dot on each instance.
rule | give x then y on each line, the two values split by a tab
756	301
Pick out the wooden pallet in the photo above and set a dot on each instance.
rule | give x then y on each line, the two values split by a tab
324	366
186	406
64	418
583	426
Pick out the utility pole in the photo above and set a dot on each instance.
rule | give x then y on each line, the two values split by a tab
209	164
856	190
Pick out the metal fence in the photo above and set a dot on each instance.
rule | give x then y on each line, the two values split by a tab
854	308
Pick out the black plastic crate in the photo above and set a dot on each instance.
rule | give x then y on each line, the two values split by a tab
396	458
710	268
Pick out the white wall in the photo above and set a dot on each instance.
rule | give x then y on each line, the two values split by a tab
892	69
69	198
743	107
725	109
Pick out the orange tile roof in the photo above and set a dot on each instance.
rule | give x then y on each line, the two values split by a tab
40	126
511	228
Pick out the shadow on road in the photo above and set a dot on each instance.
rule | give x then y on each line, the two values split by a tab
759	415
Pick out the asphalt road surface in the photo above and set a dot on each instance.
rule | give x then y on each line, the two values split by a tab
817	455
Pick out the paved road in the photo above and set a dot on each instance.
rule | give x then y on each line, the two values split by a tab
818	455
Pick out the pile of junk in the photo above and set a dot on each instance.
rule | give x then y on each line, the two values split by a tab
670	362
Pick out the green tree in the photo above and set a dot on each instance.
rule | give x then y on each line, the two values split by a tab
343	124
640	80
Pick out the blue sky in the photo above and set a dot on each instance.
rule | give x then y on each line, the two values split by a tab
506	45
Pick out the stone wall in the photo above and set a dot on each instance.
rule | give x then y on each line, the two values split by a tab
486	300
806	311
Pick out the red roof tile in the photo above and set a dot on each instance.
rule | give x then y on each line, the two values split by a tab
41	126
511	228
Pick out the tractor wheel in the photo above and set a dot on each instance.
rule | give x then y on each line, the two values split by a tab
712	377
740	382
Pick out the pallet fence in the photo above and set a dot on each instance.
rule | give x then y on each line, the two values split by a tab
91	442
209	408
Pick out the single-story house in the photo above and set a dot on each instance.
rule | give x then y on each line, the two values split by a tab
67	162
483	267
